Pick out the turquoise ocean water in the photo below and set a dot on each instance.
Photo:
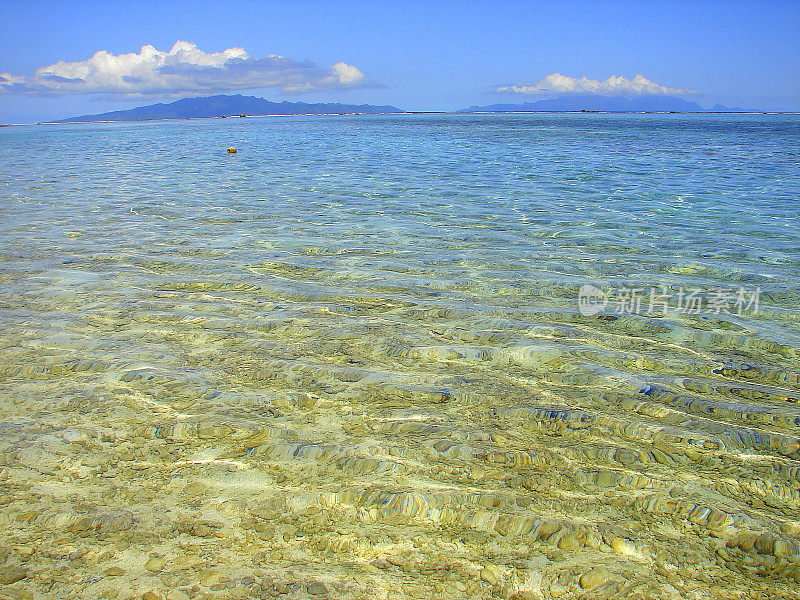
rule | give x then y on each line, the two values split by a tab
352	360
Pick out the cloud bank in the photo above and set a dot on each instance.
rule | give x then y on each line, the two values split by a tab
185	69
616	85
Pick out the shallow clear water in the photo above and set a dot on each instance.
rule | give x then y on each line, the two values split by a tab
350	360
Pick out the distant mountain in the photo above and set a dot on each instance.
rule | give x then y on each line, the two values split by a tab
604	103
218	106
722	108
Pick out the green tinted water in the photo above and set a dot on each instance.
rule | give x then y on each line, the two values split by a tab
350	362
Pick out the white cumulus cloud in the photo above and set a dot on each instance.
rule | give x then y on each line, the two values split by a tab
616	85
184	69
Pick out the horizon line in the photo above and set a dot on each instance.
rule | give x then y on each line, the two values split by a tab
419	112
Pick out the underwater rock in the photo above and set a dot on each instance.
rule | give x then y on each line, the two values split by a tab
11	574
594	578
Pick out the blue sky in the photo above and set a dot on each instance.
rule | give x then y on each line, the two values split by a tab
416	55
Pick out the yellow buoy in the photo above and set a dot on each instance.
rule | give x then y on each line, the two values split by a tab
231	150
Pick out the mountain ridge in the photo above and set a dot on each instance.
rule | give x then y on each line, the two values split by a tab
596	102
222	105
